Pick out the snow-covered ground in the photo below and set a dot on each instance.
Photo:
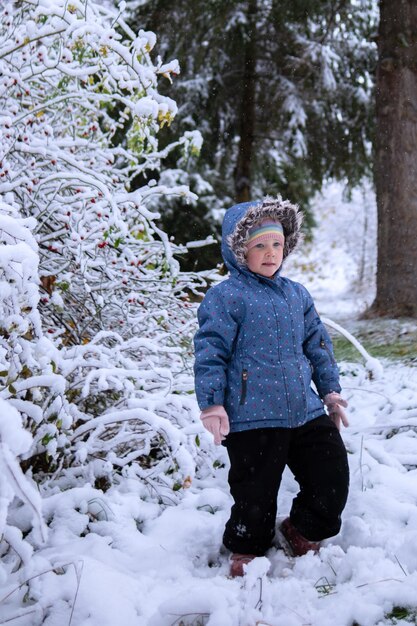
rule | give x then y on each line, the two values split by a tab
114	559
338	266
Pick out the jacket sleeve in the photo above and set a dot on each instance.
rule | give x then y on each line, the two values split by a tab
318	349
218	318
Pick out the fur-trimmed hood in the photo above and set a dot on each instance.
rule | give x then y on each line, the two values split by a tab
241	218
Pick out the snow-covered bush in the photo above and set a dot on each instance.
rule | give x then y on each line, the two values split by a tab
29	387
53	415
98	372
74	79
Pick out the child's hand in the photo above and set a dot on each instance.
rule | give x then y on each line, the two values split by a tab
335	404
216	421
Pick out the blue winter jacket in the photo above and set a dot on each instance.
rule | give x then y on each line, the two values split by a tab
259	346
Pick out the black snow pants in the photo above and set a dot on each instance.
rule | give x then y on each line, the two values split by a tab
317	457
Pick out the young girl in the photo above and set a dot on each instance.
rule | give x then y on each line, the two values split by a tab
260	345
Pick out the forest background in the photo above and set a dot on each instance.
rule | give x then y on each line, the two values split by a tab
125	133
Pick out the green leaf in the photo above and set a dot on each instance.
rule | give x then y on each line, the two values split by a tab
197	440
46	439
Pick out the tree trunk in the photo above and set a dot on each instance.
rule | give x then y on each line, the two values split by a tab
396	160
243	171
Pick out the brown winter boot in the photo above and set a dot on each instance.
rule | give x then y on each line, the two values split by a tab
237	561
299	545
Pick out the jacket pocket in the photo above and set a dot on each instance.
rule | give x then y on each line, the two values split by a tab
244	386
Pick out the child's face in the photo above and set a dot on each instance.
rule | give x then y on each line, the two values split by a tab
265	258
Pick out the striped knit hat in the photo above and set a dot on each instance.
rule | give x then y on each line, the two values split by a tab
264	231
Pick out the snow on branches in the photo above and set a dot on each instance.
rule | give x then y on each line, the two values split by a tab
75	81
96	315
27	383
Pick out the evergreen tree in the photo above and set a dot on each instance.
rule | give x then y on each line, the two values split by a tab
280	89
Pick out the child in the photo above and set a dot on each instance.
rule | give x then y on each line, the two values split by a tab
259	346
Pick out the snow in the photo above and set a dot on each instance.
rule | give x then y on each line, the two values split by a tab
12	433
119	558
338	266
14	439
373	365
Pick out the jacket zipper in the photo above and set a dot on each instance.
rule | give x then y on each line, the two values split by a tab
244	386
